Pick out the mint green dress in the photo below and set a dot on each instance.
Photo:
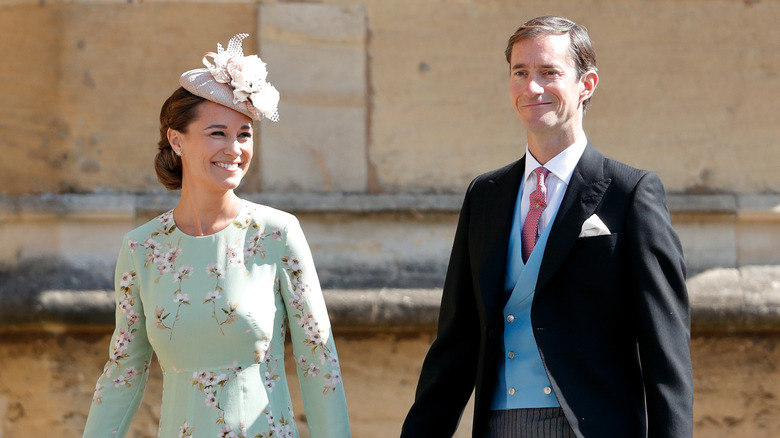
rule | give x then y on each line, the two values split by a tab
215	310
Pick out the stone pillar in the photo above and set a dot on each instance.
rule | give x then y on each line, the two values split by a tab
316	57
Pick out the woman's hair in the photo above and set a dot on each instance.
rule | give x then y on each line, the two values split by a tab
178	111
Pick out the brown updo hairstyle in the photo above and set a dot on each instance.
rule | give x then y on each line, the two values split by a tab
178	111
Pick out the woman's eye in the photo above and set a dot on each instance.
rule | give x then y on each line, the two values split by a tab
218	133
245	135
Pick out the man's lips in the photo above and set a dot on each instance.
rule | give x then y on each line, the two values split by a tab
534	104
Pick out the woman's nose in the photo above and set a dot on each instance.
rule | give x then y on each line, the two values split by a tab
234	147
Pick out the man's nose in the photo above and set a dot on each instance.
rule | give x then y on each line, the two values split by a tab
534	87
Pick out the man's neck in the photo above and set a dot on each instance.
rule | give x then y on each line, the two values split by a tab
545	147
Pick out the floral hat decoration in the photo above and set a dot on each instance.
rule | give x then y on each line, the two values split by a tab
235	81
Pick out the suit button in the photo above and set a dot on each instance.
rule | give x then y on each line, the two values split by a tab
512	391
511	355
547	390
510	318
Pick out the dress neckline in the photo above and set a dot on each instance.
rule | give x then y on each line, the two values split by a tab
238	218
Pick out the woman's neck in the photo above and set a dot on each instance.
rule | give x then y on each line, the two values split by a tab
200	214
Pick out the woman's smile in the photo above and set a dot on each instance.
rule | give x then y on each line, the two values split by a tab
229	166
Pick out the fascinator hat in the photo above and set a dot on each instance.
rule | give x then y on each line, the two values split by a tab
235	81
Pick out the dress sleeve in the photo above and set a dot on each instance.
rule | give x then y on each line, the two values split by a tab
317	363
120	389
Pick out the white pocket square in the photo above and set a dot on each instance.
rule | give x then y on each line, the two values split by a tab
594	227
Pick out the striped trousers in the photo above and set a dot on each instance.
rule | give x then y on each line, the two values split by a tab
529	423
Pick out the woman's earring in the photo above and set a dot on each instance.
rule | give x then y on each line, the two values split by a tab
177	152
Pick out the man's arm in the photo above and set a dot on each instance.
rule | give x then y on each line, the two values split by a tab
448	372
657	273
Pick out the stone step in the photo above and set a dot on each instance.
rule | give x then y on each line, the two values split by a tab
722	300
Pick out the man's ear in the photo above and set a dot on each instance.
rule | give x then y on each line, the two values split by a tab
589	81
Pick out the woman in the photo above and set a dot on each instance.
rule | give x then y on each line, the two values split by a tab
211	285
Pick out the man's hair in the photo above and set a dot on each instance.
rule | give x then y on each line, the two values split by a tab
581	47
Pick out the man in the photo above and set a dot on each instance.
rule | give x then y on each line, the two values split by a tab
564	305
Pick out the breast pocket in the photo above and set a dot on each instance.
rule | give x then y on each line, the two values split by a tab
608	241
595	260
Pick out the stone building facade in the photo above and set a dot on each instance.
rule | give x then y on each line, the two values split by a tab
389	108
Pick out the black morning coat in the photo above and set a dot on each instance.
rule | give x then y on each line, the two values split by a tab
610	313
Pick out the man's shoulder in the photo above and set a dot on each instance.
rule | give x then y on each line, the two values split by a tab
511	170
621	169
625	176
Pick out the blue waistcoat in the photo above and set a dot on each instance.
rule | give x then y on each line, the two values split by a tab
522	380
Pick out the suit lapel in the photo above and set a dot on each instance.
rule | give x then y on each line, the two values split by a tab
583	194
498	210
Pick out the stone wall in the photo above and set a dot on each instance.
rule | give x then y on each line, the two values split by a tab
389	108
381	101
386	96
47	382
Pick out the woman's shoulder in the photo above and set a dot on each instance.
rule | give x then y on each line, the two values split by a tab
161	224
252	213
268	216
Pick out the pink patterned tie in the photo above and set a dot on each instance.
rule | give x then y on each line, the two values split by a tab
538	203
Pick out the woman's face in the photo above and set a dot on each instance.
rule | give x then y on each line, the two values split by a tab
216	150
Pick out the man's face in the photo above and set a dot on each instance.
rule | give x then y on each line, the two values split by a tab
545	91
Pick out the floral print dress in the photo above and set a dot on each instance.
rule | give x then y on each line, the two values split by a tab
215	310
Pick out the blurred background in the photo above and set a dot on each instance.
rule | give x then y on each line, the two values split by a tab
389	108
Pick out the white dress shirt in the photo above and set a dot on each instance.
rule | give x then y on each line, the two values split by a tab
561	168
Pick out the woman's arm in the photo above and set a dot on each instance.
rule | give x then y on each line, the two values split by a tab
317	363
120	388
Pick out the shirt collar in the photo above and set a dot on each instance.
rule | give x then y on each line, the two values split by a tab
561	165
